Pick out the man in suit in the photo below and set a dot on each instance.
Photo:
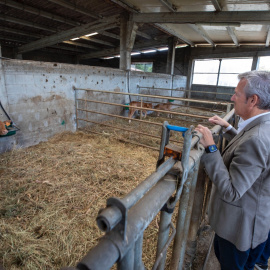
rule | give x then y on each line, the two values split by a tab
239	210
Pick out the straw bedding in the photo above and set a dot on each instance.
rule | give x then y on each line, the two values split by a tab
50	195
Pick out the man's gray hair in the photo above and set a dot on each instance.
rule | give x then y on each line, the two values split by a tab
258	83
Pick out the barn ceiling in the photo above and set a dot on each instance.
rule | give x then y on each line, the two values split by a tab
64	25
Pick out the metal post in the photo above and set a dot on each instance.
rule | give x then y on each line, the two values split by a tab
163	235
127	263
196	215
138	264
188	216
180	225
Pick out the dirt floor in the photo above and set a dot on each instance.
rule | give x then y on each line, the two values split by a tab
50	194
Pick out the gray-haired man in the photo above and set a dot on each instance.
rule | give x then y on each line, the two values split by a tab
240	204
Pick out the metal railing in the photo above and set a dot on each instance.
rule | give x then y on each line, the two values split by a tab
125	220
82	112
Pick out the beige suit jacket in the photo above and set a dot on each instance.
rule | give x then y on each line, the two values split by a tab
239	209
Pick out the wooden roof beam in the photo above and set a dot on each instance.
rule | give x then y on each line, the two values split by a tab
201	32
102	24
25	23
217	5
244	17
68	5
38	12
232	35
169	5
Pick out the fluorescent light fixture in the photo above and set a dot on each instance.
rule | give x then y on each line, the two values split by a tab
109	57
75	38
135	53
92	34
117	56
182	46
163	49
149	51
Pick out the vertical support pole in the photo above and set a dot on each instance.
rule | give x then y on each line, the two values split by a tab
183	220
188	216
127	263
123	43
182	211
189	80
171	55
128	30
138	264
163	235
196	215
255	62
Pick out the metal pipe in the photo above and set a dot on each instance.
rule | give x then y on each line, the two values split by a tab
125	129
128	141
164	249
180	225
138	264
188	216
214	130
163	235
128	261
196	215
156	110
183	90
109	217
113	246
154	96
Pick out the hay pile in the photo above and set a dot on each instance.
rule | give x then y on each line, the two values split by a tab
50	195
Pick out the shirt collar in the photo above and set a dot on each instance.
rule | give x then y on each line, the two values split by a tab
243	123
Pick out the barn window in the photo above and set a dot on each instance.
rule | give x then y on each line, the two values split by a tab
264	63
142	66
220	72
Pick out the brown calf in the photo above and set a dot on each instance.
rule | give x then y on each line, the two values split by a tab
164	106
3	130
138	104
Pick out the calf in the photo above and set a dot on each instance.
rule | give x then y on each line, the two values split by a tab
138	104
3	130
164	106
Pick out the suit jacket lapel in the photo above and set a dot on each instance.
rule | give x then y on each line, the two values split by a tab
248	127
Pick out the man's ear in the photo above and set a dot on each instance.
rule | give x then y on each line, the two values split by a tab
254	100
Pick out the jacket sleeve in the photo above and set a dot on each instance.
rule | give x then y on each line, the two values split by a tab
229	135
247	163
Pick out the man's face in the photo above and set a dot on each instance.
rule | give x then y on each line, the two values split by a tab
240	100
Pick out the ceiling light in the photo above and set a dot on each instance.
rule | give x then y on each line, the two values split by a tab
163	49
109	57
75	38
117	56
135	53
92	34
182	46
149	51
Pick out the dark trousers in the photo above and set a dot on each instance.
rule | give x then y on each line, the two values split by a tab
230	258
263	260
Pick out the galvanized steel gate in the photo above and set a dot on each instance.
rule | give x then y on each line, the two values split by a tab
125	220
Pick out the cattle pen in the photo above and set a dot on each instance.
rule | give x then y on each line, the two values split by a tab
59	210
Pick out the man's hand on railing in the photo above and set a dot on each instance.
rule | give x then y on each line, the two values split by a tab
216	120
207	137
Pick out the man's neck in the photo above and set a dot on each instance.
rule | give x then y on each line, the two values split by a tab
255	112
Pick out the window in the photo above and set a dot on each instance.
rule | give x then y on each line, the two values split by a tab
220	72
205	72
264	63
142	66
